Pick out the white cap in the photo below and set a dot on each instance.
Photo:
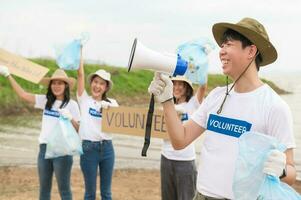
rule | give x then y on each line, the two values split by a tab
182	78
104	75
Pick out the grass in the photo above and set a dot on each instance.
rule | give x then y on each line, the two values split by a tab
130	88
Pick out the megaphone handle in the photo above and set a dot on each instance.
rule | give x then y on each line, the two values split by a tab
148	127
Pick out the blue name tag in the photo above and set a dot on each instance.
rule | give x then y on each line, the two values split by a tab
51	113
184	117
227	126
94	113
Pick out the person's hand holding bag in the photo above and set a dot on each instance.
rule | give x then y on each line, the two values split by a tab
275	163
65	113
105	104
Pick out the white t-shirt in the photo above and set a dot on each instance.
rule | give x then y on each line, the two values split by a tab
50	117
91	117
261	110
188	153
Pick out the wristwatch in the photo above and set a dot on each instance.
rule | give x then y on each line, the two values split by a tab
283	175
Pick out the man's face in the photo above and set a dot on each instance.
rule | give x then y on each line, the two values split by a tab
234	58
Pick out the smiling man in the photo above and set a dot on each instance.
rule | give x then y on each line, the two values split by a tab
246	105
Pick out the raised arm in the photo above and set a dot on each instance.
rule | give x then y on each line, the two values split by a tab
81	76
28	97
200	94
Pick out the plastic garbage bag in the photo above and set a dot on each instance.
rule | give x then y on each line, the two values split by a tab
63	140
250	183
273	189
196	52
68	56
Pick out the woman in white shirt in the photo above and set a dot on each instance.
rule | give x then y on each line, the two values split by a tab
178	170
97	145
55	103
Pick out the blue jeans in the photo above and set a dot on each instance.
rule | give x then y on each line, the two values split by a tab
97	155
61	167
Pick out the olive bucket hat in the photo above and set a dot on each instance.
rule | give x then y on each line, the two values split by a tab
254	31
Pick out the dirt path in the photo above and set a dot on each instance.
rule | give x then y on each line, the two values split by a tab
22	183
19	183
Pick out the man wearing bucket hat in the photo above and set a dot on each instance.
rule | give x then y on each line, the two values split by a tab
178	170
248	104
55	103
97	145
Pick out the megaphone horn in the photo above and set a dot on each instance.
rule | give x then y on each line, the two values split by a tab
142	57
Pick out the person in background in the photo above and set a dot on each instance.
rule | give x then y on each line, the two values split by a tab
178	170
54	104
97	145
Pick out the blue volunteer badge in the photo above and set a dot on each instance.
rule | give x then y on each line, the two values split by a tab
94	113
52	113
184	117
227	126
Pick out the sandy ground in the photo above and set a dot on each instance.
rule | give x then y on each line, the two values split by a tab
19	183
22	183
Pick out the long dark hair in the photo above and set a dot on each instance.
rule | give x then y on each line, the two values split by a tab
104	95
188	94
51	97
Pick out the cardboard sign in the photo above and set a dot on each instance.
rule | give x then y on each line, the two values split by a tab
22	67
132	121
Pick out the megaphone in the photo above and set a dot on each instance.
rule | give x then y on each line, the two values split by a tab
142	57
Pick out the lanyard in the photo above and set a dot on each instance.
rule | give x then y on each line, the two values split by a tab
228	91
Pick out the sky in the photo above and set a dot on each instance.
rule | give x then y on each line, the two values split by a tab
33	28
